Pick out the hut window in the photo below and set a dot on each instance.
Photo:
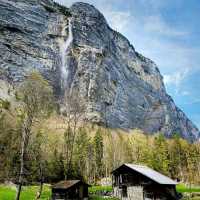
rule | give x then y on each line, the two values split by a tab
120	178
124	191
149	195
125	178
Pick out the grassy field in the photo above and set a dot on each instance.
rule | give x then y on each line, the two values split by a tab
29	192
95	197
95	189
182	188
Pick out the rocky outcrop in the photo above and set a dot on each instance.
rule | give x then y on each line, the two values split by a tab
121	88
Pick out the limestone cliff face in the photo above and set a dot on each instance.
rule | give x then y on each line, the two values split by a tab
120	87
30	32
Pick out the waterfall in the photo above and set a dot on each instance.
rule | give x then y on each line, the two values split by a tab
64	51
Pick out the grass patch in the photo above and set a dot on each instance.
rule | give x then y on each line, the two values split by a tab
95	197
195	198
28	193
96	189
182	188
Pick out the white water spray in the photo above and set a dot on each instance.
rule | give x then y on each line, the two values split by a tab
64	51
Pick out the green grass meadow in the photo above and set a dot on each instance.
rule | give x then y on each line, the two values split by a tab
29	192
95	189
182	188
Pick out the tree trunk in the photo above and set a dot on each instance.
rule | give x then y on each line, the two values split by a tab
39	193
25	138
41	182
21	173
19	187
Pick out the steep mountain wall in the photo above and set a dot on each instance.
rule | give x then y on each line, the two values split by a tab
120	87
30	32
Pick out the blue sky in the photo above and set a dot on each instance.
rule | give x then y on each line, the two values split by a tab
166	31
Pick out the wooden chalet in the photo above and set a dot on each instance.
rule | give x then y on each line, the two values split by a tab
70	190
137	182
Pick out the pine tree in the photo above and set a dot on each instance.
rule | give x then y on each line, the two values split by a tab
98	150
81	152
161	155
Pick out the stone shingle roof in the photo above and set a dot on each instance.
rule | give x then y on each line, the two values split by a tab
152	174
65	184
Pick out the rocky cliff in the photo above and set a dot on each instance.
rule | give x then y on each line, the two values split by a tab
76	49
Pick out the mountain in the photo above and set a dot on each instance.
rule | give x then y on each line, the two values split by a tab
75	49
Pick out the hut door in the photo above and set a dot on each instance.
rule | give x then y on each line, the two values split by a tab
124	191
148	196
81	192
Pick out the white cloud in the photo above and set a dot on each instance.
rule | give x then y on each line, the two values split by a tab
192	101
118	20
196	119
155	24
66	2
176	79
154	4
186	93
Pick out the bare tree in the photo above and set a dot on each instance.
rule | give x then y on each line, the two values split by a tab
39	156
73	116
35	96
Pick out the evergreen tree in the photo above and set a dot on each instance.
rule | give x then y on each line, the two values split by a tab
81	152
161	155
98	150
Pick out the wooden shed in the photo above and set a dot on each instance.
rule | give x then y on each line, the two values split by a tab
70	189
137	182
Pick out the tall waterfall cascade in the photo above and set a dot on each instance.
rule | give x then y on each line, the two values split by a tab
64	52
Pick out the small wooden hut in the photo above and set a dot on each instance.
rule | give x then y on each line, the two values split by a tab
70	190
137	182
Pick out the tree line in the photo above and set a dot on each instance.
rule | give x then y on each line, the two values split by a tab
32	152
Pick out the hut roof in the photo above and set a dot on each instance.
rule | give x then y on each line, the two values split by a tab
66	184
150	173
